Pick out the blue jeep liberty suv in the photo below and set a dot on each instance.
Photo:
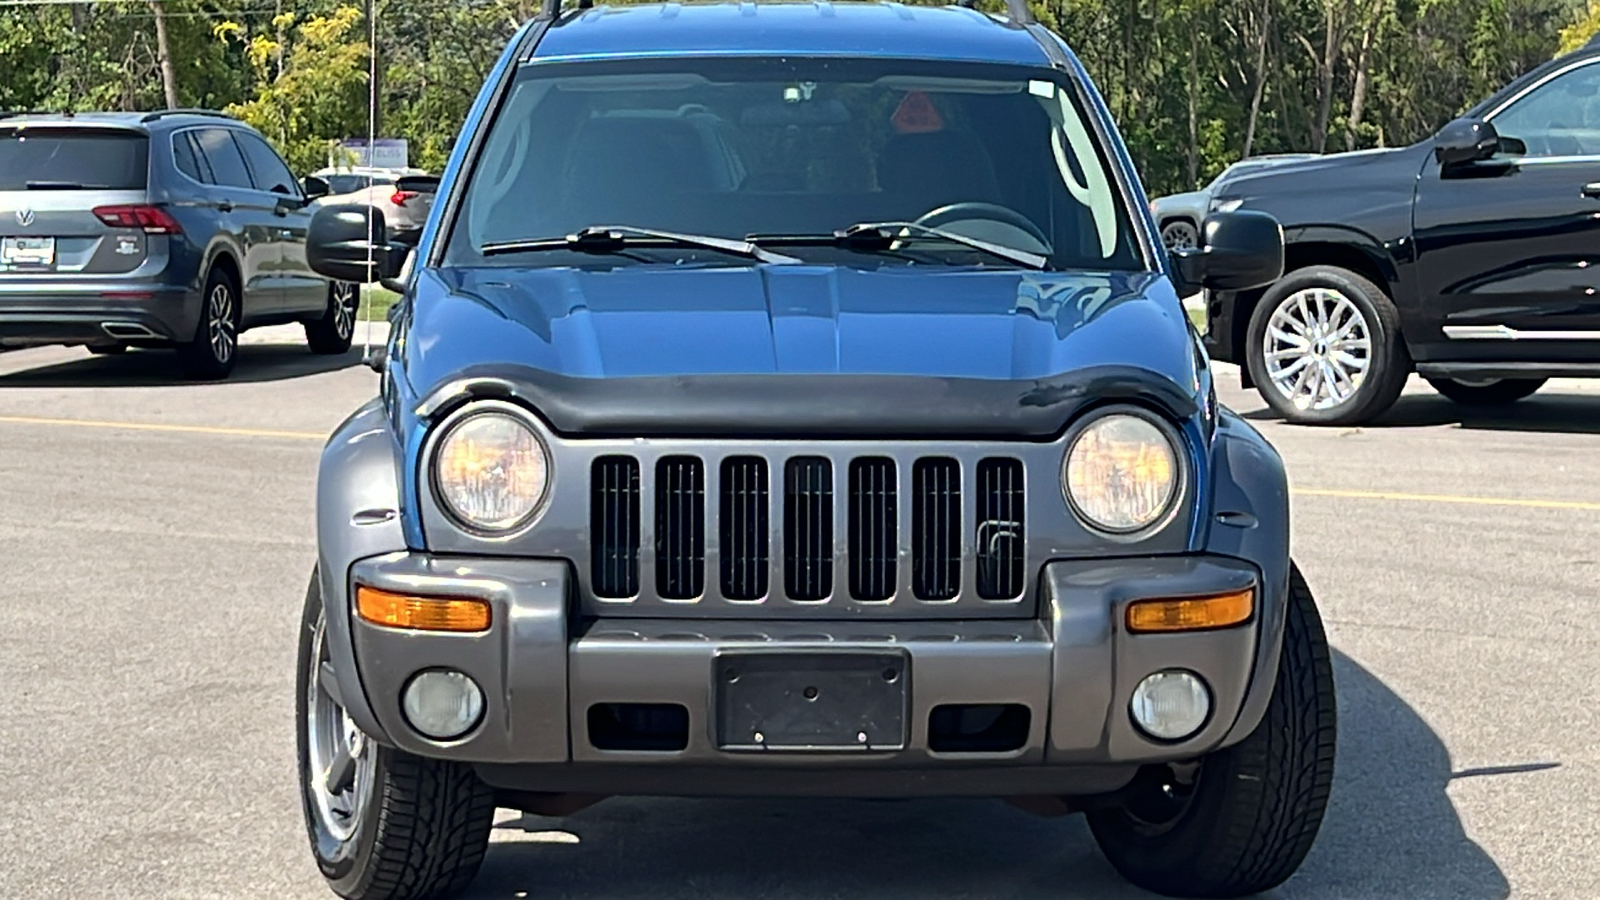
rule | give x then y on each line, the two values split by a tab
795	399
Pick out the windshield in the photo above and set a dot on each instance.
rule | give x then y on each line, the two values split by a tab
349	184
738	147
87	158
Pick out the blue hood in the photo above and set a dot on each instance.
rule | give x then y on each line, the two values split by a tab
650	320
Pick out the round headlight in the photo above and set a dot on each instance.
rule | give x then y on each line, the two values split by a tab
1121	473
490	471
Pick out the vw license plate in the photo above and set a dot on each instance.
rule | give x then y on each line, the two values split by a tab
28	251
819	702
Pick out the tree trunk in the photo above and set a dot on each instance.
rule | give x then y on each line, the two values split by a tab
169	77
1193	149
1358	95
1260	77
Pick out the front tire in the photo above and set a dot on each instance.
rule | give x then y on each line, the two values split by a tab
402	827
331	334
1491	392
1179	234
1243	819
1324	348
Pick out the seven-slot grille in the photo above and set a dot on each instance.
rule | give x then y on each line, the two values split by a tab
803	505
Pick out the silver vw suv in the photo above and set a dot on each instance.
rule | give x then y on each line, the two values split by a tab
178	229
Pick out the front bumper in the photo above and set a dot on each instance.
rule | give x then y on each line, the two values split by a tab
1073	669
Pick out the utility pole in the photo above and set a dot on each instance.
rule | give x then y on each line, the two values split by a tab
376	71
169	78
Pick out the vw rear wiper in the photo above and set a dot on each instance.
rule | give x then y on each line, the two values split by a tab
62	186
877	237
616	238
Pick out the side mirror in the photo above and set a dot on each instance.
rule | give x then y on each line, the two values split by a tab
1238	251
1464	141
342	239
314	187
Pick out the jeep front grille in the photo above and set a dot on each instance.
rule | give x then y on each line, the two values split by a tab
808	528
743	534
614	526
680	527
905	531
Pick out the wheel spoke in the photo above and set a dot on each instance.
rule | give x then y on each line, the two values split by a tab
1296	341
1350	361
341	773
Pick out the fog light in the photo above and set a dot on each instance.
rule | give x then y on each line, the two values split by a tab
442	703
1171	705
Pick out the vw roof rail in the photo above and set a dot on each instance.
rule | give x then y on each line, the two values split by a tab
1016	10
163	113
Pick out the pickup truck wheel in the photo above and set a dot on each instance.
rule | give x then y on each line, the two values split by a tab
1179	234
1488	392
1241	820
331	334
1324	348
383	824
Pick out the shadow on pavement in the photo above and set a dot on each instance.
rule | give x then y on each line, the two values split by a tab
1391	831
160	368
1554	413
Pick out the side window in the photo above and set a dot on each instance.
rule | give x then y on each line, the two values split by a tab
183	154
227	163
1560	117
268	168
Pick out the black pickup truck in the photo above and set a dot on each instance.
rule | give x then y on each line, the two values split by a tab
1471	258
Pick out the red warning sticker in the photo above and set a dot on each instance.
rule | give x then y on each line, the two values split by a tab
916	114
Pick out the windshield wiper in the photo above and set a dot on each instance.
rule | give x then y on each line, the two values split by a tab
617	238
62	186
877	237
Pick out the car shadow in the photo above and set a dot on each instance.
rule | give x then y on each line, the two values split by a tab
159	368
1391	831
1552	413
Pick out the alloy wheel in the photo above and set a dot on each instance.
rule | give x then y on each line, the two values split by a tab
345	301
340	770
221	331
1317	348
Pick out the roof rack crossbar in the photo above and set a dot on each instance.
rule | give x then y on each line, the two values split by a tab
163	113
1016	10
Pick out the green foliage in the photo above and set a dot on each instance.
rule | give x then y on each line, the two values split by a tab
1193	84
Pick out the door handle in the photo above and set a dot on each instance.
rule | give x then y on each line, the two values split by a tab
1592	190
285	233
225	206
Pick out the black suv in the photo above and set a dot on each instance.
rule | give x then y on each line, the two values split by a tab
177	228
1471	258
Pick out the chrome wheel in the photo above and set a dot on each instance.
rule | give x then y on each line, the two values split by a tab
345	300
221	332
1179	235
340	773
1317	348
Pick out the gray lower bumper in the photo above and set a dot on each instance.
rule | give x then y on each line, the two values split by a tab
96	313
1074	669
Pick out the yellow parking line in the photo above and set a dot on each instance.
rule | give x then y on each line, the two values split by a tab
1447	498
157	426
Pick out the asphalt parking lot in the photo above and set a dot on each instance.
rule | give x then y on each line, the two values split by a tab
160	538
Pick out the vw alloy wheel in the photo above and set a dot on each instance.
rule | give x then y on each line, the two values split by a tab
345	301
1317	348
221	331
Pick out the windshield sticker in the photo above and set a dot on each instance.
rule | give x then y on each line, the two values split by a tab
1041	88
916	114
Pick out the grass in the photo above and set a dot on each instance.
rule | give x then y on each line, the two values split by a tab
375	303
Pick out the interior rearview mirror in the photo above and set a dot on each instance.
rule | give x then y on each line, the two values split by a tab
350	242
1465	141
1237	251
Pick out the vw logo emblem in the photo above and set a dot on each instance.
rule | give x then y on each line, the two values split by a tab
24	217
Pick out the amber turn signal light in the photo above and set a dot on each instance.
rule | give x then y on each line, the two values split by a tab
421	613
1191	613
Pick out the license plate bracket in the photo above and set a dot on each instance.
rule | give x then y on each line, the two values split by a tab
28	252
817	701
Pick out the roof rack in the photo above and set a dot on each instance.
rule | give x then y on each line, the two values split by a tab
163	113
1016	10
